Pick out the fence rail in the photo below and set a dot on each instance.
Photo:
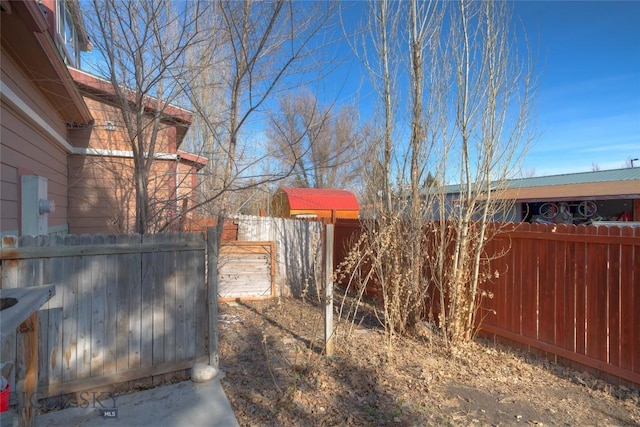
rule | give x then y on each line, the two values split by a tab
126	307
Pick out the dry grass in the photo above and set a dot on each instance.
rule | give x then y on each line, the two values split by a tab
276	374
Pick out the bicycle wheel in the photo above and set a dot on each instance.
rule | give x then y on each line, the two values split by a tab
587	208
548	210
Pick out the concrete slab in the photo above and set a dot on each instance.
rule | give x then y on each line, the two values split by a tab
182	404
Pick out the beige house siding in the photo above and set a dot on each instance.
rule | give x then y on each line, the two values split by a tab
97	191
54	124
98	136
25	148
102	194
101	180
187	184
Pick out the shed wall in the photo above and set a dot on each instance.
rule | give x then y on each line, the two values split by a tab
326	213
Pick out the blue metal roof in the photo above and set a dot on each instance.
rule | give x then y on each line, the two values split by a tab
576	178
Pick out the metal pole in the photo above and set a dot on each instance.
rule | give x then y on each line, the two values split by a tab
328	291
214	234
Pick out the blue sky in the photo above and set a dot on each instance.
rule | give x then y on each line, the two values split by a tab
588	98
589	89
588	70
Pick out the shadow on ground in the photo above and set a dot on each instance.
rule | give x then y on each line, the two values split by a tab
278	374
279	368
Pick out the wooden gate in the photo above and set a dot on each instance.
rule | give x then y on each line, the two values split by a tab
246	270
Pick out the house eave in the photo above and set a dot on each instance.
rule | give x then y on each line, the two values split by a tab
193	159
98	86
21	39
586	191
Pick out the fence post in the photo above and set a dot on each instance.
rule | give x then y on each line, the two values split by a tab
213	249
328	290
27	371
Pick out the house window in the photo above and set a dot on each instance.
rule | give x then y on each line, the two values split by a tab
66	34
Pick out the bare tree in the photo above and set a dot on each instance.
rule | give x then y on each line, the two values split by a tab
322	146
225	60
378	50
468	98
143	45
494	89
527	172
394	243
265	50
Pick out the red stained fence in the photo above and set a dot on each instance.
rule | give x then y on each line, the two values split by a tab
570	291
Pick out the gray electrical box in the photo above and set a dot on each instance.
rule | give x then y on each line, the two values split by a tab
35	205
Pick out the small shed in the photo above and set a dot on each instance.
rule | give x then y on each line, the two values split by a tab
291	202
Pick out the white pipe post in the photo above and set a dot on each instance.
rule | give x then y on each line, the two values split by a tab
328	291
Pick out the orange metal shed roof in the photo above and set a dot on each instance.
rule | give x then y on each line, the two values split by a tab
316	198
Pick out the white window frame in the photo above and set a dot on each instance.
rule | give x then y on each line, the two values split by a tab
69	47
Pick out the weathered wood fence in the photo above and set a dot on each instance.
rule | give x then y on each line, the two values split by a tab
572	292
298	246
126	307
246	270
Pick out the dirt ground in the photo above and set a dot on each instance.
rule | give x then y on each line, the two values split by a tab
277	375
